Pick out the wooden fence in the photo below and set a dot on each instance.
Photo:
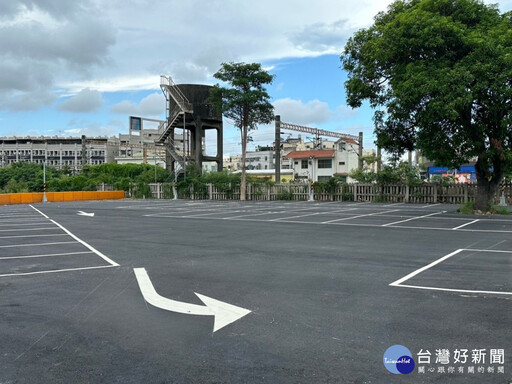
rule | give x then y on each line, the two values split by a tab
422	194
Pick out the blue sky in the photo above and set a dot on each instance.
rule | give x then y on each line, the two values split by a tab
70	68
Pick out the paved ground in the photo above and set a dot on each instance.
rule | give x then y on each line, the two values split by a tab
330	287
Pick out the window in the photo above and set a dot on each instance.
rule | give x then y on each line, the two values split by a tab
323	178
325	163
341	163
304	164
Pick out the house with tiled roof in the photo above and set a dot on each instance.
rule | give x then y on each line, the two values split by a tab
322	164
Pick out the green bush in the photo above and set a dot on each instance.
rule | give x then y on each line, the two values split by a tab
284	195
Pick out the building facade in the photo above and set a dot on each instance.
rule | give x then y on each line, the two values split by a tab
59	152
322	164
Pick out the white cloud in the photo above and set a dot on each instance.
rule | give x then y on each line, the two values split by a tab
114	84
322	37
21	101
52	46
151	105
346	112
298	112
86	100
79	127
44	40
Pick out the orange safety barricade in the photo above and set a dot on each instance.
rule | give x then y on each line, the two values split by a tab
37	197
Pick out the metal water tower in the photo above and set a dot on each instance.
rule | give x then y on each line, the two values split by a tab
187	109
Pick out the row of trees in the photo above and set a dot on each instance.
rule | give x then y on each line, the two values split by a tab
28	177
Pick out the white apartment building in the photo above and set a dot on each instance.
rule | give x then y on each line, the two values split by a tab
322	164
260	160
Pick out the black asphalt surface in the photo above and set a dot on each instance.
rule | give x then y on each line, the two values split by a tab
316	277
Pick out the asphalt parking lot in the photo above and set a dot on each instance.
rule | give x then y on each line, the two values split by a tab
252	292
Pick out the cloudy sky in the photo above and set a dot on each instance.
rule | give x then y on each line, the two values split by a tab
72	67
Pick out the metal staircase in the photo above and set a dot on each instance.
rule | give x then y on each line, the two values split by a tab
175	114
177	106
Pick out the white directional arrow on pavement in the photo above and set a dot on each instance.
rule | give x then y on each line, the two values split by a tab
82	213
224	313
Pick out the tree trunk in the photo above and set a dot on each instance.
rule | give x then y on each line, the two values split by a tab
487	186
244	151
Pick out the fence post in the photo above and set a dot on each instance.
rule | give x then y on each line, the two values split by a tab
407	194
465	193
210	191
435	193
355	193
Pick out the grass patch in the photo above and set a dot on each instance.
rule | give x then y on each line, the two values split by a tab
469	209
499	210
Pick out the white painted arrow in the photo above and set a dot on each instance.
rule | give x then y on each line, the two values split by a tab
223	313
82	213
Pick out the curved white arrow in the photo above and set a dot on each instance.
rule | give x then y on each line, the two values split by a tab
82	213
224	313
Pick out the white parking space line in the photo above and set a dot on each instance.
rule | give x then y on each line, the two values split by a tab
45	235
215	212
22	220
179	211
430	205
26	224
37	245
453	290
398	283
249	214
418	271
464	225
314	214
358	216
413	218
26	229
294	217
45	255
16	216
56	271
487	250
107	259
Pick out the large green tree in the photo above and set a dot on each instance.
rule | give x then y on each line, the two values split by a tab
439	75
246	101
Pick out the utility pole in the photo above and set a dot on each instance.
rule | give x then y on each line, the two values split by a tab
277	150
360	154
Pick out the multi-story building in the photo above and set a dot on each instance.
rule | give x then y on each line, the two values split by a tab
60	152
263	158
322	164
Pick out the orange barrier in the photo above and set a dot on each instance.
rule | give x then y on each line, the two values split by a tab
29	198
